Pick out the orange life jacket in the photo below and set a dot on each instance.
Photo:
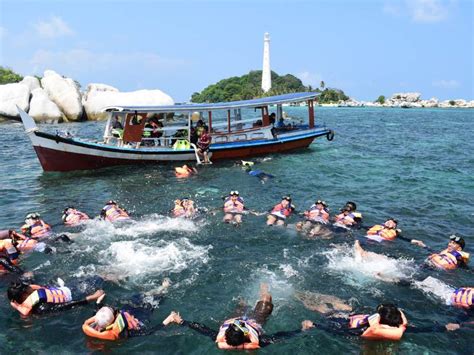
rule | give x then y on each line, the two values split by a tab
254	335
74	217
282	212
118	329
114	213
463	297
382	232
41	295
37	230
236	206
448	260
377	331
27	244
179	211
316	214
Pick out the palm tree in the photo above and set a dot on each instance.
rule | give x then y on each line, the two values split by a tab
322	85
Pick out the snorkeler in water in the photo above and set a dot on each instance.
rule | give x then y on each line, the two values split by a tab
280	212
112	212
111	323
72	217
35	227
184	208
348	218
185	171
30	299
233	208
242	333
314	218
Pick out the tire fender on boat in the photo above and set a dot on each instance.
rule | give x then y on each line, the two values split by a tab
330	135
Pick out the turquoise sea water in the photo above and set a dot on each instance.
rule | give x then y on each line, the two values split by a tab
414	165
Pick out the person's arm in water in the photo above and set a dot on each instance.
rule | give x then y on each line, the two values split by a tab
266	340
200	328
7	265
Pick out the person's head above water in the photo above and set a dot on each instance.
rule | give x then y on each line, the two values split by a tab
111	202
321	203
456	242
286	200
234	194
390	315
350	206
16	292
104	317
236	334
391	223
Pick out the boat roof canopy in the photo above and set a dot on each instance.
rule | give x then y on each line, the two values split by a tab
264	101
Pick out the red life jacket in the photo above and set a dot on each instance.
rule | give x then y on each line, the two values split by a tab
316	214
280	211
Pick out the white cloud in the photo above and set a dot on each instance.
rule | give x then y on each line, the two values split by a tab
308	78
54	28
78	61
427	11
420	11
446	84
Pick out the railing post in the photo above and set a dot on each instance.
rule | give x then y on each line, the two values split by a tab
311	113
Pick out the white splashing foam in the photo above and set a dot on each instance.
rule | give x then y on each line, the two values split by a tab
130	258
288	270
434	287
363	270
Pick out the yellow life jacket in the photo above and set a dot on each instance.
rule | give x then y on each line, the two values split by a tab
383	232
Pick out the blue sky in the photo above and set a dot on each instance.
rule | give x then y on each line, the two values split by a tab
366	48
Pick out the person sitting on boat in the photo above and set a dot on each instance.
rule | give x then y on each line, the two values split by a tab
233	208
348	218
35	227
73	217
242	332
280	212
113	213
203	145
184	208
272	118
452	257
318	213
153	130
200	128
117	128
184	171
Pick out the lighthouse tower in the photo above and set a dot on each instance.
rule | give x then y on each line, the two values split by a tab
266	73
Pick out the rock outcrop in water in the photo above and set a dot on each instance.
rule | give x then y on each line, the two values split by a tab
98	96
58	99
409	100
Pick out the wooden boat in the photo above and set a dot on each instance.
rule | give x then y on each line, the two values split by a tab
233	137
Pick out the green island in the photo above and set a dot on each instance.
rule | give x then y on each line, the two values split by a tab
248	86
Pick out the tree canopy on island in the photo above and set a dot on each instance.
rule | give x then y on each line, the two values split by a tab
8	76
248	87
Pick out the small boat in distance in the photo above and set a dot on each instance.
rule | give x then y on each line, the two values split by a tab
157	134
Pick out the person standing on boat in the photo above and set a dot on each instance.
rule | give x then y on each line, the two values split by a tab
203	144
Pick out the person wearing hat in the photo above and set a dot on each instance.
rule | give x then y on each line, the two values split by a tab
233	208
35	227
318	213
452	257
280	212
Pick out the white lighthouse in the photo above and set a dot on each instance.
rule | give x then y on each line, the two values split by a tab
266	73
